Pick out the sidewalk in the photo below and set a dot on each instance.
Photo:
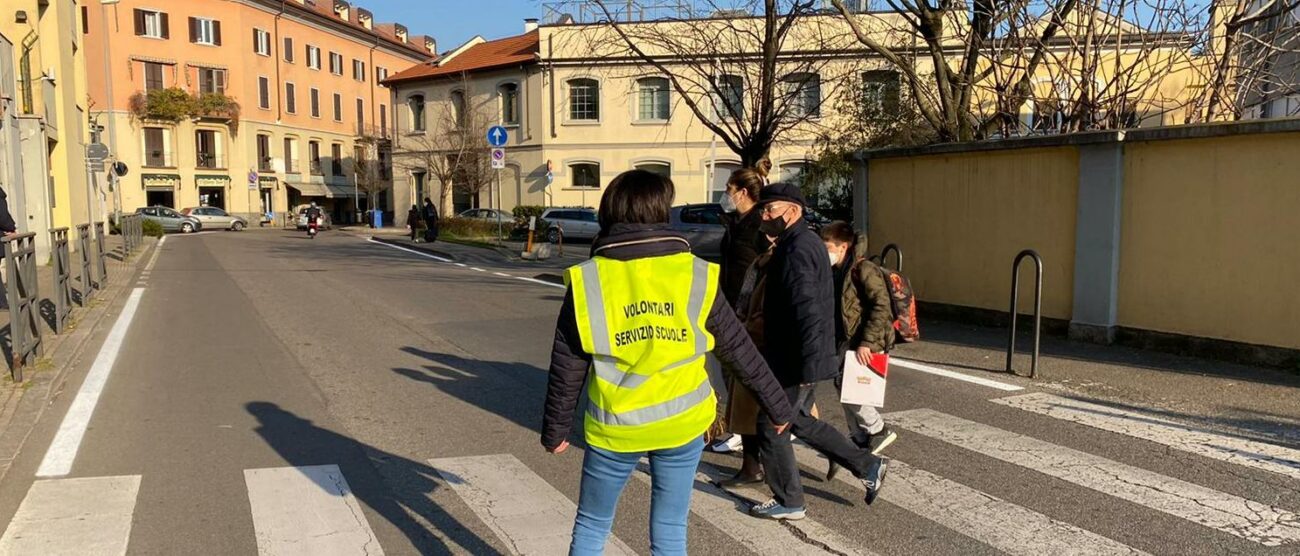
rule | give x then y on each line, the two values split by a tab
21	405
508	254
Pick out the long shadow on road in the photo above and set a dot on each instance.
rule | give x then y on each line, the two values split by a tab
374	475
514	391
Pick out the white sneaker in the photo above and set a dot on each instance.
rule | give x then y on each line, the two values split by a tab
733	443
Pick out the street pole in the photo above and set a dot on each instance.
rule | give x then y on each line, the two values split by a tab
498	173
112	121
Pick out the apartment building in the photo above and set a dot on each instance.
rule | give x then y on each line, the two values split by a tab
254	106
44	130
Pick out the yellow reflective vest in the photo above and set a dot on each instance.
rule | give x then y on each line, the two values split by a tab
643	322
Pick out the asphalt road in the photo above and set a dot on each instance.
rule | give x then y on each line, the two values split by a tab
277	395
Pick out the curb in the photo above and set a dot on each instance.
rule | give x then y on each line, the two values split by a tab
388	241
24	404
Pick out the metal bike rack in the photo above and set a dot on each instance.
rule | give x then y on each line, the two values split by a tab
62	279
1038	307
24	301
83	262
101	255
898	256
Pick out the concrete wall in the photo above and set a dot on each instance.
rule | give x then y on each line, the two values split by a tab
1178	236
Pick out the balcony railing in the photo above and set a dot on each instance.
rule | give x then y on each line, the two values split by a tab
209	160
158	159
316	167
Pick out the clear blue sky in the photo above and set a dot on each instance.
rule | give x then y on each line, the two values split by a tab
453	22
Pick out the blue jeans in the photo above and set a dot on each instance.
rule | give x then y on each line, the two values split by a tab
604	474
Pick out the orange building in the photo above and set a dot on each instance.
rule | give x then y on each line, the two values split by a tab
254	106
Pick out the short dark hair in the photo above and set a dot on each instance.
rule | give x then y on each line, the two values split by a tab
839	231
636	197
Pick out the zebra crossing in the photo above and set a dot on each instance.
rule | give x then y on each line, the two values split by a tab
312	510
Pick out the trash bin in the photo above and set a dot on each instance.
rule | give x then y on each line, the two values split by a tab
379	218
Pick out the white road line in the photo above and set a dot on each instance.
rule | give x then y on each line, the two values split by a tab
462	265
63	450
309	511
503	275
445	260
761	536
1250	520
1016	530
85	516
528	514
1161	430
896	361
476	269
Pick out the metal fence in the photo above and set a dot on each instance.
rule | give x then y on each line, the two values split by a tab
132	229
24	301
62	279
87	286
102	255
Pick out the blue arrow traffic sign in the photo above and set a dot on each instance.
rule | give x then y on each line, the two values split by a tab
497	136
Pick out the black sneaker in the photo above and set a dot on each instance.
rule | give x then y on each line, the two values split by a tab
881	440
875	479
832	471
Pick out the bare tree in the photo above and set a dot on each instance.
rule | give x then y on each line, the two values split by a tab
1254	52
453	150
371	176
752	72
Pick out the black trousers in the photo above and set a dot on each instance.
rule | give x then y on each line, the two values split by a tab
777	453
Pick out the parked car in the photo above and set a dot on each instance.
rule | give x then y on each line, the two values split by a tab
702	225
170	220
490	215
574	223
325	223
816	220
217	219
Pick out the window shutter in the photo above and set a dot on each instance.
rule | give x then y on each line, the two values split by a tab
139	22
166	28
216	32
221	81
194	30
288	49
257	47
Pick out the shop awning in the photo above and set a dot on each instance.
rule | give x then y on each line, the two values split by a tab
341	191
328	191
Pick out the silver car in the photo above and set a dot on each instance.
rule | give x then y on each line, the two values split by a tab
703	226
170	220
573	223
490	215
217	219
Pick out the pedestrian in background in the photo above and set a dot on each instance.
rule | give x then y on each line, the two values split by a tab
413	218
430	221
799	345
864	324
641	315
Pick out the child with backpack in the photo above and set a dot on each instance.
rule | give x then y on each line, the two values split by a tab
864	325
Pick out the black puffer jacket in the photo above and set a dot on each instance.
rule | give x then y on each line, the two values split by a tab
799	309
569	363
741	244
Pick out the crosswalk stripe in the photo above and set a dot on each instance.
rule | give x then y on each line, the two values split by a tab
307	510
1253	521
1017	530
85	516
719	508
528	514
1158	429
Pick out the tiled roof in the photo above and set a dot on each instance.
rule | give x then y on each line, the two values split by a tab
500	53
387	32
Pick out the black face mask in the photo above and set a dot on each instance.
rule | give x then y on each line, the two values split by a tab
773	227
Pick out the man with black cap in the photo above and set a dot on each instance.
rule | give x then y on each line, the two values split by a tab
799	315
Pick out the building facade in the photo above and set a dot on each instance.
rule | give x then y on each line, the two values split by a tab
253	106
48	183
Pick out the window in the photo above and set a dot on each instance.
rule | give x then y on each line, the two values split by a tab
212	80
880	91
207	149
652	99
509	103
336	63
313	57
288	50
702	215
157	148
85	20
261	42
338	107
381	73
416	104
358	159
458	108
314	96
721	174
383	120
152	24
336	164
584	100
793	172
205	31
731	96
585	174
661	168
153	76
264	93
361	117
313	154
263	152
290	155
803	92
358	70
290	99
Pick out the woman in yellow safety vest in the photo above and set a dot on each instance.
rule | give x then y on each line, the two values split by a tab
637	322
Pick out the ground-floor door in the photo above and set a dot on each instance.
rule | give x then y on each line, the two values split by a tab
212	197
159	197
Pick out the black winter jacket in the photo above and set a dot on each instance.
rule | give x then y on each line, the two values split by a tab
800	309
741	244
569	363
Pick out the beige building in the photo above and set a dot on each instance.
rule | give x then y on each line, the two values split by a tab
47	183
254	106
